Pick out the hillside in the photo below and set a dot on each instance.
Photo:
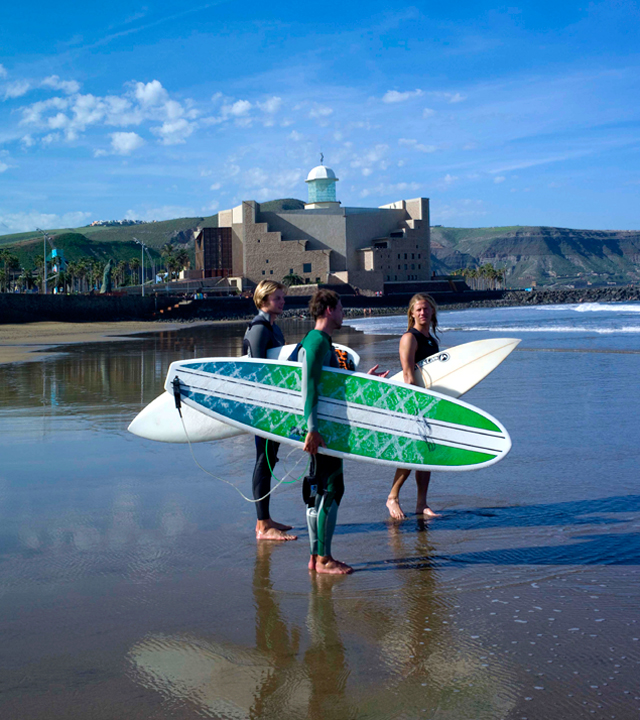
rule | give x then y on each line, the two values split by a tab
548	256
76	246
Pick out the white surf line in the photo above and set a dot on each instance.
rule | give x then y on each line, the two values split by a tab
346	413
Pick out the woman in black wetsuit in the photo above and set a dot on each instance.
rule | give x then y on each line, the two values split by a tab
262	335
416	344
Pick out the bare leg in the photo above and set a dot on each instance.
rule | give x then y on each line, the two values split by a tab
422	481
268	530
328	566
393	502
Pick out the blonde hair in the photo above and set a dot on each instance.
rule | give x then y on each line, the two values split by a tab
263	290
421	297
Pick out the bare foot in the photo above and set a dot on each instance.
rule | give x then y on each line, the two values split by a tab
427	512
329	566
312	562
394	509
280	526
274	534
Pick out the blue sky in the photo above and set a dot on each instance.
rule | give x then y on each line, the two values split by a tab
524	114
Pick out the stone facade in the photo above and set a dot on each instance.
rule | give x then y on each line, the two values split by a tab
361	246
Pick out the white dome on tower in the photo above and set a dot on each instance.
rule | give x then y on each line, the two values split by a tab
320	172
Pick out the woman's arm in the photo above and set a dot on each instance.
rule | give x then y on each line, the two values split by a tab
408	349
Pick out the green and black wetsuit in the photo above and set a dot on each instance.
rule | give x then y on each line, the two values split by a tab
316	351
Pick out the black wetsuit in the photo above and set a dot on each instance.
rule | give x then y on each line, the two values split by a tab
427	346
261	336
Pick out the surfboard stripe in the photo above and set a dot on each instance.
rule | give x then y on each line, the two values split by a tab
362	442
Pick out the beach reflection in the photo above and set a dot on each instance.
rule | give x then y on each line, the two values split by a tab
356	655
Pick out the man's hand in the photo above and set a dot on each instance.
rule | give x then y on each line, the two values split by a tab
312	442
377	374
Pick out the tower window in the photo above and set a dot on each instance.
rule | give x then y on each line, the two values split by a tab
306	267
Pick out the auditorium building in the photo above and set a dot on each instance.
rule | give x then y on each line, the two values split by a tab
322	242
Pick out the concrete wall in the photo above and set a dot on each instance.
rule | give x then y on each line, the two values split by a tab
268	257
322	229
26	308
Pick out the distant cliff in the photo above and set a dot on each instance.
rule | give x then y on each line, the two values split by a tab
553	257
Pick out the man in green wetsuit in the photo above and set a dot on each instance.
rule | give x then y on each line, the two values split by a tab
316	351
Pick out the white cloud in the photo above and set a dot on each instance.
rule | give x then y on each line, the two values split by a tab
17	89
388	189
449	97
499	179
67	86
240	108
428	112
215	186
29	221
393	96
124	143
3	71
3	167
211	207
447	181
50	138
271	106
27	141
320	111
151	93
461	209
373	156
295	136
174	133
412	143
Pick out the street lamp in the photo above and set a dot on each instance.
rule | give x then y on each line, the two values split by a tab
45	237
142	249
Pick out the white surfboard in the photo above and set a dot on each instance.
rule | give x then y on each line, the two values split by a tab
455	371
160	420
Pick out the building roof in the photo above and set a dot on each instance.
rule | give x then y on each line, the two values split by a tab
320	172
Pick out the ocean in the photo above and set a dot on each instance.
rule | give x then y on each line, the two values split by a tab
131	584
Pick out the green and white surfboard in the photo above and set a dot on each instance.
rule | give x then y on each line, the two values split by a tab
361	417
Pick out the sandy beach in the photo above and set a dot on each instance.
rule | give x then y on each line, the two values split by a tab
131	584
30	341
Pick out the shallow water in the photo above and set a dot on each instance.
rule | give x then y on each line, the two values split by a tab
131	584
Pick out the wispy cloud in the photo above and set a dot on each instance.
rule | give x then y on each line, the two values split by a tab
16	89
394	96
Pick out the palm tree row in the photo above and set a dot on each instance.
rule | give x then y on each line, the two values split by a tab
174	259
484	277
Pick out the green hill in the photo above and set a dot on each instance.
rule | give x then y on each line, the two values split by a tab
546	255
76	246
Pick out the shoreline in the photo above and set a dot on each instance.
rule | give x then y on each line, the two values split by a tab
24	342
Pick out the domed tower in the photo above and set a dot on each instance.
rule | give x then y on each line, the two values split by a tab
322	188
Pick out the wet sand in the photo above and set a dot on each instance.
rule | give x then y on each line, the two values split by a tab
19	342
131	584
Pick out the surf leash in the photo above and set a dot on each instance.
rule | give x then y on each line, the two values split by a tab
178	401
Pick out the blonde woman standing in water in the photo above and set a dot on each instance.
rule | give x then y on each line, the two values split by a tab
416	344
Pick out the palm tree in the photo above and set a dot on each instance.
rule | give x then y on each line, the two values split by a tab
182	259
134	266
26	280
121	273
168	255
292	279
